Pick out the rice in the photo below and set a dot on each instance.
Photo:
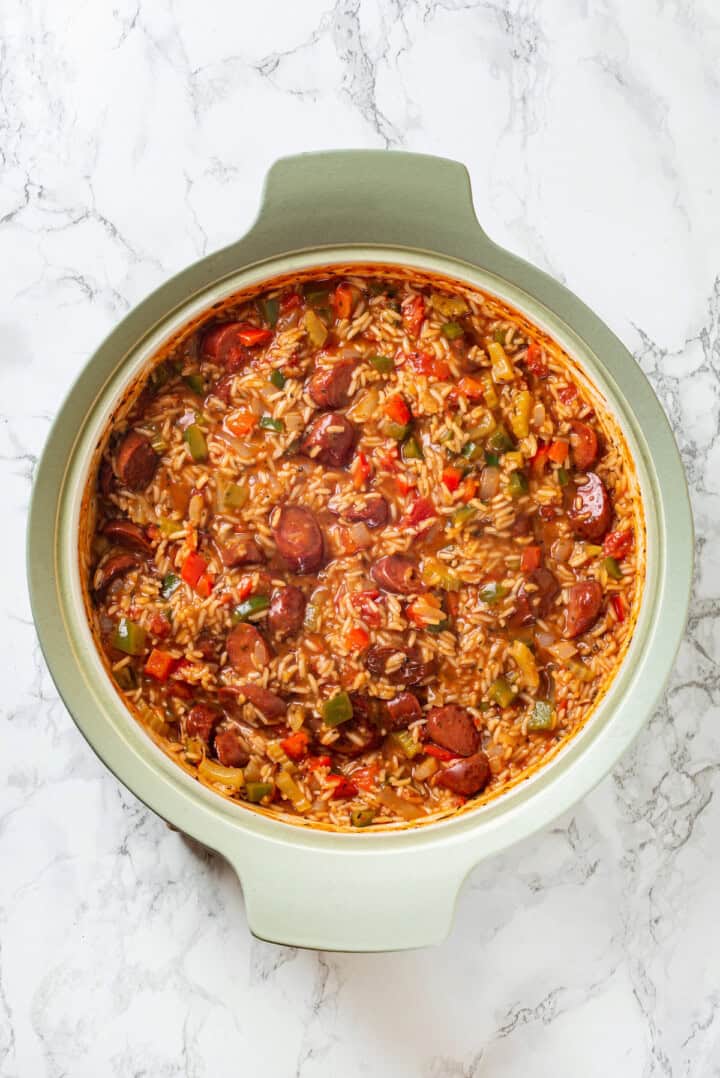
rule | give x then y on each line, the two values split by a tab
466	637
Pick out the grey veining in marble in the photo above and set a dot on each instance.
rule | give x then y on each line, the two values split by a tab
133	138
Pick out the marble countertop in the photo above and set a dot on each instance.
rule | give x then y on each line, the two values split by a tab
134	138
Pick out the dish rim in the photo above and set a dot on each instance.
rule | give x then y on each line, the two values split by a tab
607	728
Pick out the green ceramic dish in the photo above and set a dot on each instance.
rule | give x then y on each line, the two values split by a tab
306	887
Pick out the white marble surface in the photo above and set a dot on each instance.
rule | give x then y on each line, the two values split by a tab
133	138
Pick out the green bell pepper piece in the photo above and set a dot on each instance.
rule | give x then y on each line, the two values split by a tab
129	637
268	423
493	592
502	692
269	308
517	484
338	709
542	716
411	449
612	568
196	443
383	364
196	382
245	610
170	583
255	791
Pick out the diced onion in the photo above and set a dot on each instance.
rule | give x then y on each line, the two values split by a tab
489	483
538	415
365	407
562	548
393	801
562	650
241	449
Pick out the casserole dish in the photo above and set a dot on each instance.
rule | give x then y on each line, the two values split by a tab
379	891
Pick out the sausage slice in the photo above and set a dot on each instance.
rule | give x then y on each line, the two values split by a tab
113	567
330	440
224	346
298	538
136	461
411	669
591	511
201	722
584	602
271	706
231	749
242	551
397	573
402	710
373	511
247	650
126	533
466	777
329	386
584	444
287	611
453	728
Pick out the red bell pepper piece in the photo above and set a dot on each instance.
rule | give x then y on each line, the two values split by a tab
357	639
193	568
397	410
531	558
251	336
295	745
342	301
451	477
428	364
618	544
558	451
344	787
440	753
413	313
159	664
534	360
618	606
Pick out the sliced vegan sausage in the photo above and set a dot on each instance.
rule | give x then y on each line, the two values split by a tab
397	573
591	511
453	728
247	650
113	567
410	670
232	749
356	737
224	345
329	440
298	538
329	386
584	603
402	710
584	445
374	512
241	551
201	722
287	611
271	706
126	533
136	461
466	777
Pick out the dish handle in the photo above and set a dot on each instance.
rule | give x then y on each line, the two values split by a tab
369	197
339	899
